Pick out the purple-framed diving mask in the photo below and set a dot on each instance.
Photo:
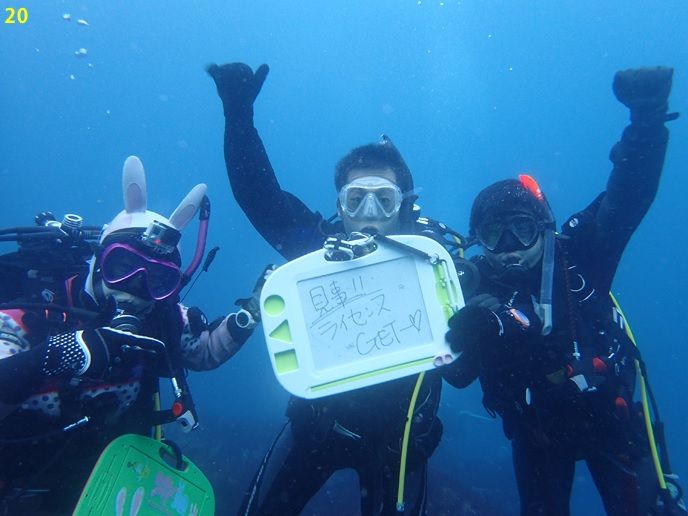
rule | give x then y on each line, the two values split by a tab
122	264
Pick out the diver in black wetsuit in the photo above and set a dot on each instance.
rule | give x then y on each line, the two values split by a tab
360	429
543	335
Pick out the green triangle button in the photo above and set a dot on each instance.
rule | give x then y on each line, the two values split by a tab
282	332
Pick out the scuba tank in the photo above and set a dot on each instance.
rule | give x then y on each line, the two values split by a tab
48	254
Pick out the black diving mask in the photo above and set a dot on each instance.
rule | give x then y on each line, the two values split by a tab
524	228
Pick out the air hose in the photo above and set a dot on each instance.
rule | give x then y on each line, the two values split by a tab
646	406
404	443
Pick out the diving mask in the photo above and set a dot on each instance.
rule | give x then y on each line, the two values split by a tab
524	227
122	264
370	197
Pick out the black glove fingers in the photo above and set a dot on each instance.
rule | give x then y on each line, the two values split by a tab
455	321
493	305
485	301
227	74
259	78
643	88
213	70
476	300
118	339
452	338
238	87
269	269
242	301
652	83
253	307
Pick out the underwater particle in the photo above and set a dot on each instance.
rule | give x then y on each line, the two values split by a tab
489	36
37	49
511	68
81	52
66	16
419	2
90	65
441	4
83	22
107	111
71	76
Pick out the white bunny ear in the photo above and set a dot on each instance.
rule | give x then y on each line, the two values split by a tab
134	185
188	207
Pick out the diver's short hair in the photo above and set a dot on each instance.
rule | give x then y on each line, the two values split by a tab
380	155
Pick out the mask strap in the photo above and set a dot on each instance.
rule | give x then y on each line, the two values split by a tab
544	308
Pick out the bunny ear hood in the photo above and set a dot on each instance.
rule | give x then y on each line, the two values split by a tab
149	231
134	186
136	215
189	206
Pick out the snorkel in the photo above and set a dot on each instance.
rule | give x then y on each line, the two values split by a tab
203	221
544	309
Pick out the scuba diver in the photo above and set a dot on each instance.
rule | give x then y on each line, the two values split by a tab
549	344
81	355
360	429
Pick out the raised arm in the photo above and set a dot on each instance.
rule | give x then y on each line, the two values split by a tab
637	160
207	346
281	218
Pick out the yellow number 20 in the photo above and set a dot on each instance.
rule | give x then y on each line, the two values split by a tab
20	15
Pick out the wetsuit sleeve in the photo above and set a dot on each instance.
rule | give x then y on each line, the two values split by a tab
280	217
205	347
637	160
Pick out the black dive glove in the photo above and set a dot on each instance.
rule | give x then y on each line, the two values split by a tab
238	87
249	315
645	91
91	353
474	324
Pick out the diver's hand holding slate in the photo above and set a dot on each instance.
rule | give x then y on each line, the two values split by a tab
645	91
251	304
472	326
91	353
238	86
332	326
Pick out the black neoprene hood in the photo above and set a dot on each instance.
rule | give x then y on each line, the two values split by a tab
504	196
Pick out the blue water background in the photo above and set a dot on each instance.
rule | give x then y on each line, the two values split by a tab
470	91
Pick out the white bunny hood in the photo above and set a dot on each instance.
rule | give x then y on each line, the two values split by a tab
135	213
